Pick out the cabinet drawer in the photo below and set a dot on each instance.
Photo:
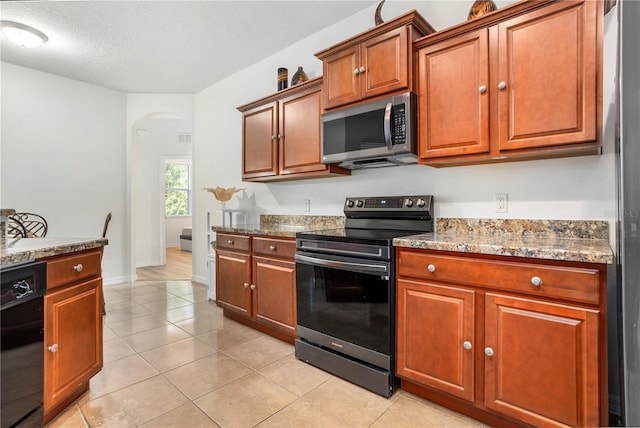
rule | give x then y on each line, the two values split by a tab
578	284
71	268
233	242
274	247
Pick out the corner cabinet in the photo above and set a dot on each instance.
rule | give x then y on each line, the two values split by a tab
524	82
505	341
73	328
256	282
281	136
373	63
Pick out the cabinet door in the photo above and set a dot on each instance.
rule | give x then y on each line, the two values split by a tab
386	63
542	362
435	335
260	141
453	91
73	339
299	119
233	280
274	295
548	61
341	84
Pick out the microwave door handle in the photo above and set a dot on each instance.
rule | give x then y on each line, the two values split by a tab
387	126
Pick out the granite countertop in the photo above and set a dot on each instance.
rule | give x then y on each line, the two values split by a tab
29	249
284	226
564	240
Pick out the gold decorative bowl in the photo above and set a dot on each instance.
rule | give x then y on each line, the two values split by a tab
222	194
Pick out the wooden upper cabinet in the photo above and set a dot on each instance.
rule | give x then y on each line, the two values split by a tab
547	60
341	80
299	128
281	136
453	96
259	149
376	62
523	82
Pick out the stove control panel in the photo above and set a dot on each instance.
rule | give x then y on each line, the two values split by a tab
395	203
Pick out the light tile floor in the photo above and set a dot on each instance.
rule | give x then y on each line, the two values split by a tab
172	360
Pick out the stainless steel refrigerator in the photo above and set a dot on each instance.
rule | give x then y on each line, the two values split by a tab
629	211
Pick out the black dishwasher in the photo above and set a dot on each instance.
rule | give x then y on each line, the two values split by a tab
22	344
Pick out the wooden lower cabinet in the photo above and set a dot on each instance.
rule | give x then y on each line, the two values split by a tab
505	351
434	324
256	284
274	293
541	361
72	328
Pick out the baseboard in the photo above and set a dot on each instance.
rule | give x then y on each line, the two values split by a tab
200	279
117	280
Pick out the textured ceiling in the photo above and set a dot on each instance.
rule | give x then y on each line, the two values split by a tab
162	46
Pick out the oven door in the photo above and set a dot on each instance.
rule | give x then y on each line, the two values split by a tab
346	304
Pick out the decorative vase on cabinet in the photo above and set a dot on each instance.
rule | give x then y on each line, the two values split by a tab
299	77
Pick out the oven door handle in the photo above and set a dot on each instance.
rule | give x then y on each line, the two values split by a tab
352	266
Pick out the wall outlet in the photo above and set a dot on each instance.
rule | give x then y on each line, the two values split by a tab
307	205
500	202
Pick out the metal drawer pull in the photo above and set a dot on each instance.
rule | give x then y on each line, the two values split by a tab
431	268
78	267
253	286
466	344
230	242
488	352
246	284
536	281
272	247
53	348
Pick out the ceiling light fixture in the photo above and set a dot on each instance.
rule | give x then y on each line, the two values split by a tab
23	35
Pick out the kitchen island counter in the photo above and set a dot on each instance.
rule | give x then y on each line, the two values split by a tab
30	249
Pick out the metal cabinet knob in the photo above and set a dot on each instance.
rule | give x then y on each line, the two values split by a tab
466	344
488	352
273	137
53	348
280	136
78	267
502	85
482	89
431	268
356	71
536	281
362	69
253	286
246	285
230	241
272	247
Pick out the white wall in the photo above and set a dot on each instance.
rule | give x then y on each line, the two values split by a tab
572	188
140	109
155	140
63	155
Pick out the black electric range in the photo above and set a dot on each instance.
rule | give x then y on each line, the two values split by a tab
345	289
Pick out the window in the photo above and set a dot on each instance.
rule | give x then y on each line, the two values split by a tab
177	195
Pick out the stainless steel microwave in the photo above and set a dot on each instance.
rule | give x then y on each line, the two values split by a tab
374	134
